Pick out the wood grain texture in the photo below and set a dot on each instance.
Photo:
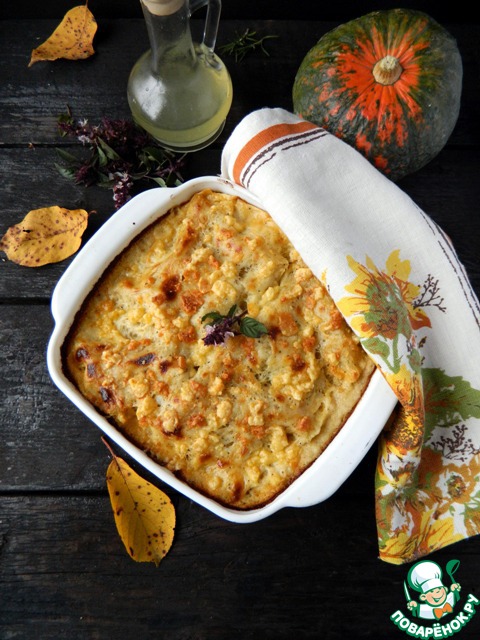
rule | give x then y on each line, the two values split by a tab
304	573
446	190
31	98
47	444
281	578
239	9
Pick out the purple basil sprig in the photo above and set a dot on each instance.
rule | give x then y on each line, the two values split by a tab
222	327
119	155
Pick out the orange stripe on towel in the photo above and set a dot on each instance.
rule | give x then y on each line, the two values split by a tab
264	137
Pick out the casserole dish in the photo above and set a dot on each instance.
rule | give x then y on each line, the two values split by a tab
316	483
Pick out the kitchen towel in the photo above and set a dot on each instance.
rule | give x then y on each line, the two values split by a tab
397	280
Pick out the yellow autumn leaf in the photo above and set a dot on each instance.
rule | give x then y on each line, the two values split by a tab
44	236
144	515
72	39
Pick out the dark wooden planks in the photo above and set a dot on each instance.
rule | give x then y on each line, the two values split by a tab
309	573
47	444
32	98
447	189
232	588
238	9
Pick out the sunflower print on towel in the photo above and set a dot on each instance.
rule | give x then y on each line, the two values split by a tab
428	471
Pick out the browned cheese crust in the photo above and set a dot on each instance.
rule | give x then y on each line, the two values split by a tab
240	421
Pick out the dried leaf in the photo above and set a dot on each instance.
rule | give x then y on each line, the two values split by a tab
44	236
72	39
144	515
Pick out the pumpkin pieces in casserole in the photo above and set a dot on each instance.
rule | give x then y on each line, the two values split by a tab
237	421
388	84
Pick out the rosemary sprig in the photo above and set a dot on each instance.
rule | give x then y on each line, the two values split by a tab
244	43
222	327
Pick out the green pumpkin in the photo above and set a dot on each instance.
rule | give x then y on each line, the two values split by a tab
388	83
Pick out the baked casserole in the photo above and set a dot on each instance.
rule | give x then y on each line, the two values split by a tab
237	421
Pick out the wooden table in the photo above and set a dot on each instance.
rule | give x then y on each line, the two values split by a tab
303	573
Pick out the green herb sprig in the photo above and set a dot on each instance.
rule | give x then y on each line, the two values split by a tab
117	154
222	327
244	43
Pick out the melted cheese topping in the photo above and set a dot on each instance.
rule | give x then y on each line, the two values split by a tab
239	421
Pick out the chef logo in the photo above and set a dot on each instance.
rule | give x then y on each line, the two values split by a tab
431	596
435	600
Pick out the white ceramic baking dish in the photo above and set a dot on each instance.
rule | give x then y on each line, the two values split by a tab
321	479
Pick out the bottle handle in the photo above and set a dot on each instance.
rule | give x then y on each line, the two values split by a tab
214	8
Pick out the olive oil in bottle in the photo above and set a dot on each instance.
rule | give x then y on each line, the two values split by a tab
180	91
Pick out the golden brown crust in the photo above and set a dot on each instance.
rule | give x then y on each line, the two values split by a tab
239	421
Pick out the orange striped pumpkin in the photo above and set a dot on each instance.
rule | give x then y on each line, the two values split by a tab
388	83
